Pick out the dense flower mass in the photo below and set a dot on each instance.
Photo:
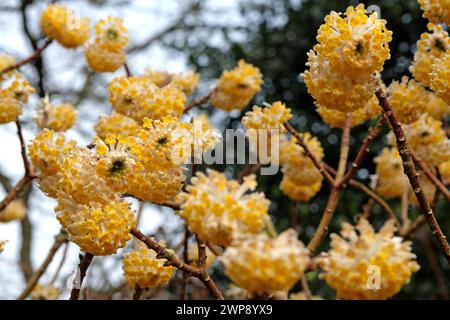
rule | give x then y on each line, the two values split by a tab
363	264
219	210
65	26
141	268
16	210
436	107
102	60
390	179
237	87
437	11
56	117
431	46
186	82
440	77
138	97
116	124
13	95
262	265
6	61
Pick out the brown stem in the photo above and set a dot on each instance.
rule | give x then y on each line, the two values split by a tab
345	147
184	280
25	61
404	208
413	176
85	262
294	214
200	101
23	149
173	260
367	208
12	194
201	247
59	240
248	170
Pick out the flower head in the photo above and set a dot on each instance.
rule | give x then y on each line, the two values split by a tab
59	117
186	82
116	124
237	87
358	253
391	181
261	265
111	34
440	77
436	11
101	59
219	210
6	61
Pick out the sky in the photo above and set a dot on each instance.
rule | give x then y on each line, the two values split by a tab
143	18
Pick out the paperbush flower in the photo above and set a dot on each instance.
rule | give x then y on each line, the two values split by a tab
437	11
440	77
59	117
5	62
186	81
116	124
138	97
100	59
65	26
219	210
360	253
444	170
203	135
261	265
45	292
141	268
13	95
237	87
15	210
431	46
436	107
391	181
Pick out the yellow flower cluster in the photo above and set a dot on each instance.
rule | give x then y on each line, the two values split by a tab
408	99
391	181
6	61
59	117
107	52
219	210
237	87
12	97
301	179
203	135
261	265
141	268
186	82
351	49
431	47
116	124
436	107
362	264
16	210
436	11
65	26
47	152
440	77
45	292
138	97
444	170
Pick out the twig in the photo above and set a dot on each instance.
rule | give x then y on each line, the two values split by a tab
59	240
185	276
413	176
12	194
85	262
127	70
294	214
404	208
175	261
23	150
201	246
25	61
200	101
61	263
367	208
248	170
345	147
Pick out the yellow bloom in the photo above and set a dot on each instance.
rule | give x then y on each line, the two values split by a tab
101	59
18	89
436	107
444	170
431	46
5	62
141	268
271	117
63	25
59	117
355	44
203	135
363	264
440	77
45	292
47	152
98	228
138	97
261	265
111	34
436	11
408	99
116	124
334	90
299	192
237	87
186	82
10	109
391	181
294	155
15	210
219	210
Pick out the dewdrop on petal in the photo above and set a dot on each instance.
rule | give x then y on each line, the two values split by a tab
262	265
236	87
15	210
355	43
141	268
436	11
440	77
64	25
100	59
220	210
431	46
116	124
408	99
391	181
98	228
359	254
45	292
56	117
